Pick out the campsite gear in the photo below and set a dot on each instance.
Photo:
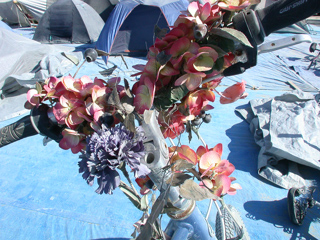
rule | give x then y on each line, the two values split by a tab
179	226
276	124
12	14
129	29
299	200
69	21
103	8
90	54
36	8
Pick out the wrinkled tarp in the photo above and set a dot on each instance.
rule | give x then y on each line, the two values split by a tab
23	63
287	128
274	70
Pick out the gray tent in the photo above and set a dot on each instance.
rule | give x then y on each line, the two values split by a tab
36	8
103	7
12	15
69	21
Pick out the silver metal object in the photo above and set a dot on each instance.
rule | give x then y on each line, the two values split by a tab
283	43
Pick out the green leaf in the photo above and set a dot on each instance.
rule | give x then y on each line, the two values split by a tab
157	208
225	44
231	34
169	207
178	179
71	57
218	65
160	32
102	53
38	87
191	190
220	52
127	88
114	100
135	199
167	96
182	164
129	122
203	64
144	202
163	58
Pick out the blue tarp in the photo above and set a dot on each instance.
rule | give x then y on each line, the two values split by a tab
42	195
5	26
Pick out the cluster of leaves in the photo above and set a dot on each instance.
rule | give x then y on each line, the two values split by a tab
207	167
80	106
177	79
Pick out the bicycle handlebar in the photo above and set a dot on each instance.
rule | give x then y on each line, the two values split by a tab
258	24
37	122
16	131
284	13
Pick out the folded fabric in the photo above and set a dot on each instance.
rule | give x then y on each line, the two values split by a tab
25	62
287	128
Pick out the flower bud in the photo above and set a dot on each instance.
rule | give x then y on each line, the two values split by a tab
207	118
200	31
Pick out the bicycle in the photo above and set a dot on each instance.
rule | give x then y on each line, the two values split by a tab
186	220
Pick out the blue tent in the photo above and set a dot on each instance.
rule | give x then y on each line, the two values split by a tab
130	27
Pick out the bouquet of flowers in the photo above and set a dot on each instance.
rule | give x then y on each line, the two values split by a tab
179	81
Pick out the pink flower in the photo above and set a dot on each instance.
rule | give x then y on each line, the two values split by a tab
210	163
233	93
196	101
72	139
67	103
183	152
220	184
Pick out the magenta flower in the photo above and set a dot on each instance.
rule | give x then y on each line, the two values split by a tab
72	140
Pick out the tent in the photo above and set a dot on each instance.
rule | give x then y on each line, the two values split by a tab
69	21
36	8
103	7
12	15
130	27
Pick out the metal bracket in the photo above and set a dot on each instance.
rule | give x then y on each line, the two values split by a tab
283	43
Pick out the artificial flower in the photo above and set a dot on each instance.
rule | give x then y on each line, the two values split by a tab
106	150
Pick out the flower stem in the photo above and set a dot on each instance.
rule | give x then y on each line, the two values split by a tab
126	174
79	69
196	131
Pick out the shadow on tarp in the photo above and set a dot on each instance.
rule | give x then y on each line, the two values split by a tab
244	151
276	213
111	239
242	144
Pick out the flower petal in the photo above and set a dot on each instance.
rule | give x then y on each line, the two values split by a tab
208	159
